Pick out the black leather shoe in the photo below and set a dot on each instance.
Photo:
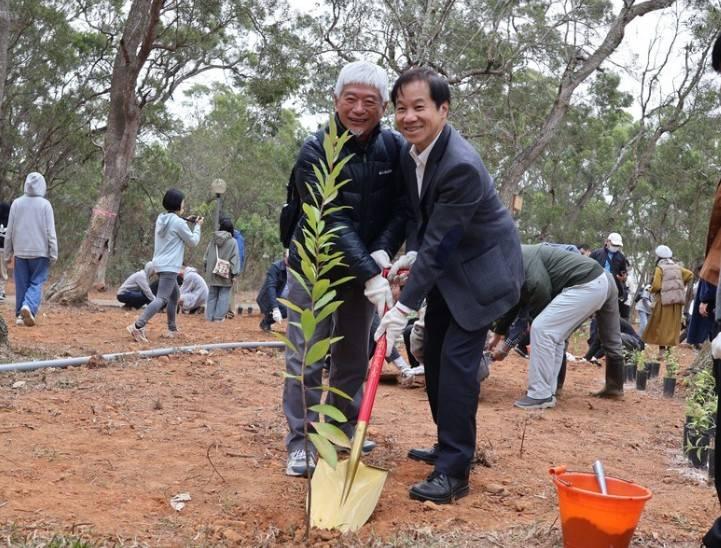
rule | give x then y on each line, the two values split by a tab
440	488
429	456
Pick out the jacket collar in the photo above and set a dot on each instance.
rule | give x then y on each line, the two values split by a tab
436	154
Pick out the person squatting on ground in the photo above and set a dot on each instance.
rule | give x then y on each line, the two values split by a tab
171	235
30	237
193	291
274	286
135	291
370	224
464	257
561	291
222	246
4	218
669	290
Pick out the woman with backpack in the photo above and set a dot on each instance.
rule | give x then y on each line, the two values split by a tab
222	264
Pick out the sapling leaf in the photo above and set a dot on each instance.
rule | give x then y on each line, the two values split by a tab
289	304
320	287
286	341
332	433
328	310
308	272
318	351
287	375
342	281
329	411
325	449
300	280
308	324
336	391
325	299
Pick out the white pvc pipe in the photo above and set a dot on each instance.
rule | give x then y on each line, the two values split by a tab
152	353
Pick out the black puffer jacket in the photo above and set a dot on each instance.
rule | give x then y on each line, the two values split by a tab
377	212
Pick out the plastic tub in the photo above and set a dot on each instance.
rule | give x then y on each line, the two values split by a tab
590	519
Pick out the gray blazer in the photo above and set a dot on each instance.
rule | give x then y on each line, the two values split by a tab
467	242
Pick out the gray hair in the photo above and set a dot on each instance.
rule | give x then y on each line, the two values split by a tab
362	72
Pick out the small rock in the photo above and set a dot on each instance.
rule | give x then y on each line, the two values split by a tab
520	506
494	488
232	536
19	384
203	351
429	505
164	358
326	534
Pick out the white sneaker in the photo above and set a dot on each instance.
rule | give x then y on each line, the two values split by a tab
297	467
137	334
27	315
19	321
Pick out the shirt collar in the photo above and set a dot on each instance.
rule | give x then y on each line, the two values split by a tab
422	158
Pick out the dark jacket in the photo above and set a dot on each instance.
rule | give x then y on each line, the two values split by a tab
548	271
227	249
275	280
4	217
375	216
467	243
619	265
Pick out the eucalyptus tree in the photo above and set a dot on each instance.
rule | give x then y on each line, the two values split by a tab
158	45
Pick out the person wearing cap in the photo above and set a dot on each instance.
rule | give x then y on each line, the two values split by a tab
172	234
669	289
612	259
30	238
369	218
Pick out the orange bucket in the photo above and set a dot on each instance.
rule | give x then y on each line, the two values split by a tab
590	519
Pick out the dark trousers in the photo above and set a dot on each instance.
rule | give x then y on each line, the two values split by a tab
713	537
135	299
452	355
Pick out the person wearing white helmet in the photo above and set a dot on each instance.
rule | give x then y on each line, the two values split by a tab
669	289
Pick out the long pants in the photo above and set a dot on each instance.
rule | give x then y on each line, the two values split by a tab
135	299
642	321
349	359
713	536
167	296
30	275
218	302
3	272
560	318
451	358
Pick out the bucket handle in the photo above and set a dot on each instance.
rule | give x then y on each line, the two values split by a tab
556	472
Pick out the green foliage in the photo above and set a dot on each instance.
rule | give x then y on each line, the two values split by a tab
639	358
671	364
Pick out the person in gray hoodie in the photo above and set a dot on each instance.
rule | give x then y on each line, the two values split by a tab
172	233
222	246
30	237
193	292
135	291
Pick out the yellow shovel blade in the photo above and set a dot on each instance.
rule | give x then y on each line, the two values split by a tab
326	510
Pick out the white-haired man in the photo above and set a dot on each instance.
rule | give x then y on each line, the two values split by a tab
370	229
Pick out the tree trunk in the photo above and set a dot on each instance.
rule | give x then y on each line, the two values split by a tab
119	150
4	41
572	78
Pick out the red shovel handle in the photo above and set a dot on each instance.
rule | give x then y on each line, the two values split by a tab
374	373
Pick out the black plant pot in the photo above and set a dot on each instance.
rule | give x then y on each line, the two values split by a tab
628	372
698	451
669	386
641	380
711	463
686	427
653	368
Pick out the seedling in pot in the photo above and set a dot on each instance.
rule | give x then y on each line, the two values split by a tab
669	379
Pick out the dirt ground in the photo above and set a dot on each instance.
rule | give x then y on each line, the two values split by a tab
97	452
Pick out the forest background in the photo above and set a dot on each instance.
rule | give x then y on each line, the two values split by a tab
594	133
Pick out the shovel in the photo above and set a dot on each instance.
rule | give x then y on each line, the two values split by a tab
345	498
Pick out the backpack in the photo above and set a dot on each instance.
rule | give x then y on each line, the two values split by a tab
290	212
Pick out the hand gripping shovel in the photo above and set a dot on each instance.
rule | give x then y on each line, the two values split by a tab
345	498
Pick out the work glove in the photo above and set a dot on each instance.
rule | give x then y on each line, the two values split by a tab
277	316
392	325
378	291
381	258
404	262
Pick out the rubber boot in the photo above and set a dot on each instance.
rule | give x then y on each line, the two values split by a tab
614	379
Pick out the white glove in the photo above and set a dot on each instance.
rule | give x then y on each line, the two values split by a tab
381	258
277	316
716	347
392	325
404	262
378	291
